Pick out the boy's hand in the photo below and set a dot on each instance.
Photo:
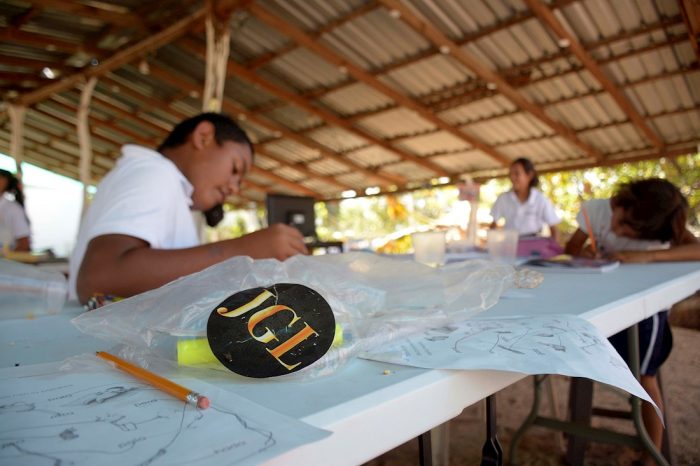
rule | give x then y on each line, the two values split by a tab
277	241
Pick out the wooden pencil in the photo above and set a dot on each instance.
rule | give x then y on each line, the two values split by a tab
591	235
168	386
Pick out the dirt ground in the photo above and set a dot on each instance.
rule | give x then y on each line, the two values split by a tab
681	378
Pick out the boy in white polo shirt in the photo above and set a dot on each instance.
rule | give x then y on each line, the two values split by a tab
139	234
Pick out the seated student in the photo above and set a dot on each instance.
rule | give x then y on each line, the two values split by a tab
645	221
525	208
14	224
139	233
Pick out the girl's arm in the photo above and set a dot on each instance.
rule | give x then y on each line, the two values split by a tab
575	244
687	250
553	232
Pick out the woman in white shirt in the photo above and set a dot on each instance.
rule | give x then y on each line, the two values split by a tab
14	224
525	208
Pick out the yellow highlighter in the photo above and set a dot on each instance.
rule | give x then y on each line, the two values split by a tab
196	351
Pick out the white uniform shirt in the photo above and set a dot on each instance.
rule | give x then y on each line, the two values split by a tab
144	196
528	217
600	215
13	222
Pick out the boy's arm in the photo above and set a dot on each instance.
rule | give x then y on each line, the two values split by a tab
553	232
22	244
124	265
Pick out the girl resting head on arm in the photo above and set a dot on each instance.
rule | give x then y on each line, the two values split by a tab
645	221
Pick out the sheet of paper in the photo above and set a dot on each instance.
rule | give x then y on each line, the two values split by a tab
565	345
106	417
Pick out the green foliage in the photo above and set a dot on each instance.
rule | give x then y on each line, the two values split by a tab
394	216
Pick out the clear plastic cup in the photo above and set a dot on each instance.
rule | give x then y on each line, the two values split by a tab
27	291
429	247
502	245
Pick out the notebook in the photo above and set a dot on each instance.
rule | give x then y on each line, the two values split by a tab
566	263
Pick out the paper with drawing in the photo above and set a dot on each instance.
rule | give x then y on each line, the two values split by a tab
106	417
566	345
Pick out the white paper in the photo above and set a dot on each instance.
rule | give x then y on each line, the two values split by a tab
566	345
105	417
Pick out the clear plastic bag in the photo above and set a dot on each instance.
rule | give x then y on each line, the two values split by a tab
27	291
374	299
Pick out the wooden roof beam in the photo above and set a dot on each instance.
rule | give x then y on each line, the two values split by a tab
285	182
514	70
183	83
111	16
690	9
47	43
547	17
119	59
363	76
242	72
471	96
129	135
434	35
264	59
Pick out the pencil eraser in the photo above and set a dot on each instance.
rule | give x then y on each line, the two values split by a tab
203	402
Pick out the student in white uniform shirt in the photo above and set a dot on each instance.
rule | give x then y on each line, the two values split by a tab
525	208
14	224
139	234
645	221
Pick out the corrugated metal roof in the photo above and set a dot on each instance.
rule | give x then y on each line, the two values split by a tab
319	70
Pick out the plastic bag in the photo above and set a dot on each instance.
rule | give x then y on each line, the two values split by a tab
27	291
374	300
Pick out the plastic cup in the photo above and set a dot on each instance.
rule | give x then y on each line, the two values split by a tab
429	247
26	290
502	245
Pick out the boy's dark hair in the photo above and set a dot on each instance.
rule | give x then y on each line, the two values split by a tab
654	208
225	129
529	168
13	186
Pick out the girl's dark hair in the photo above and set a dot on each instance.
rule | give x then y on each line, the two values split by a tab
654	208
529	168
225	129
13	186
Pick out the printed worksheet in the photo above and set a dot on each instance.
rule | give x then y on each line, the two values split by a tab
53	417
566	345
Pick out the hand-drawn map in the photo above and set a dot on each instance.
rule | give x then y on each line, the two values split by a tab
105	417
566	345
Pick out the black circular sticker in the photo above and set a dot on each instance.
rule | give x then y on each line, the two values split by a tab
266	332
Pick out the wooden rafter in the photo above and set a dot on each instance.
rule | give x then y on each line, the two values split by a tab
461	98
432	34
361	10
124	18
241	72
690	9
510	71
285	182
363	76
44	42
173	79
152	42
547	16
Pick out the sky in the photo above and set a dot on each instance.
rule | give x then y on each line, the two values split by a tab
53	203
